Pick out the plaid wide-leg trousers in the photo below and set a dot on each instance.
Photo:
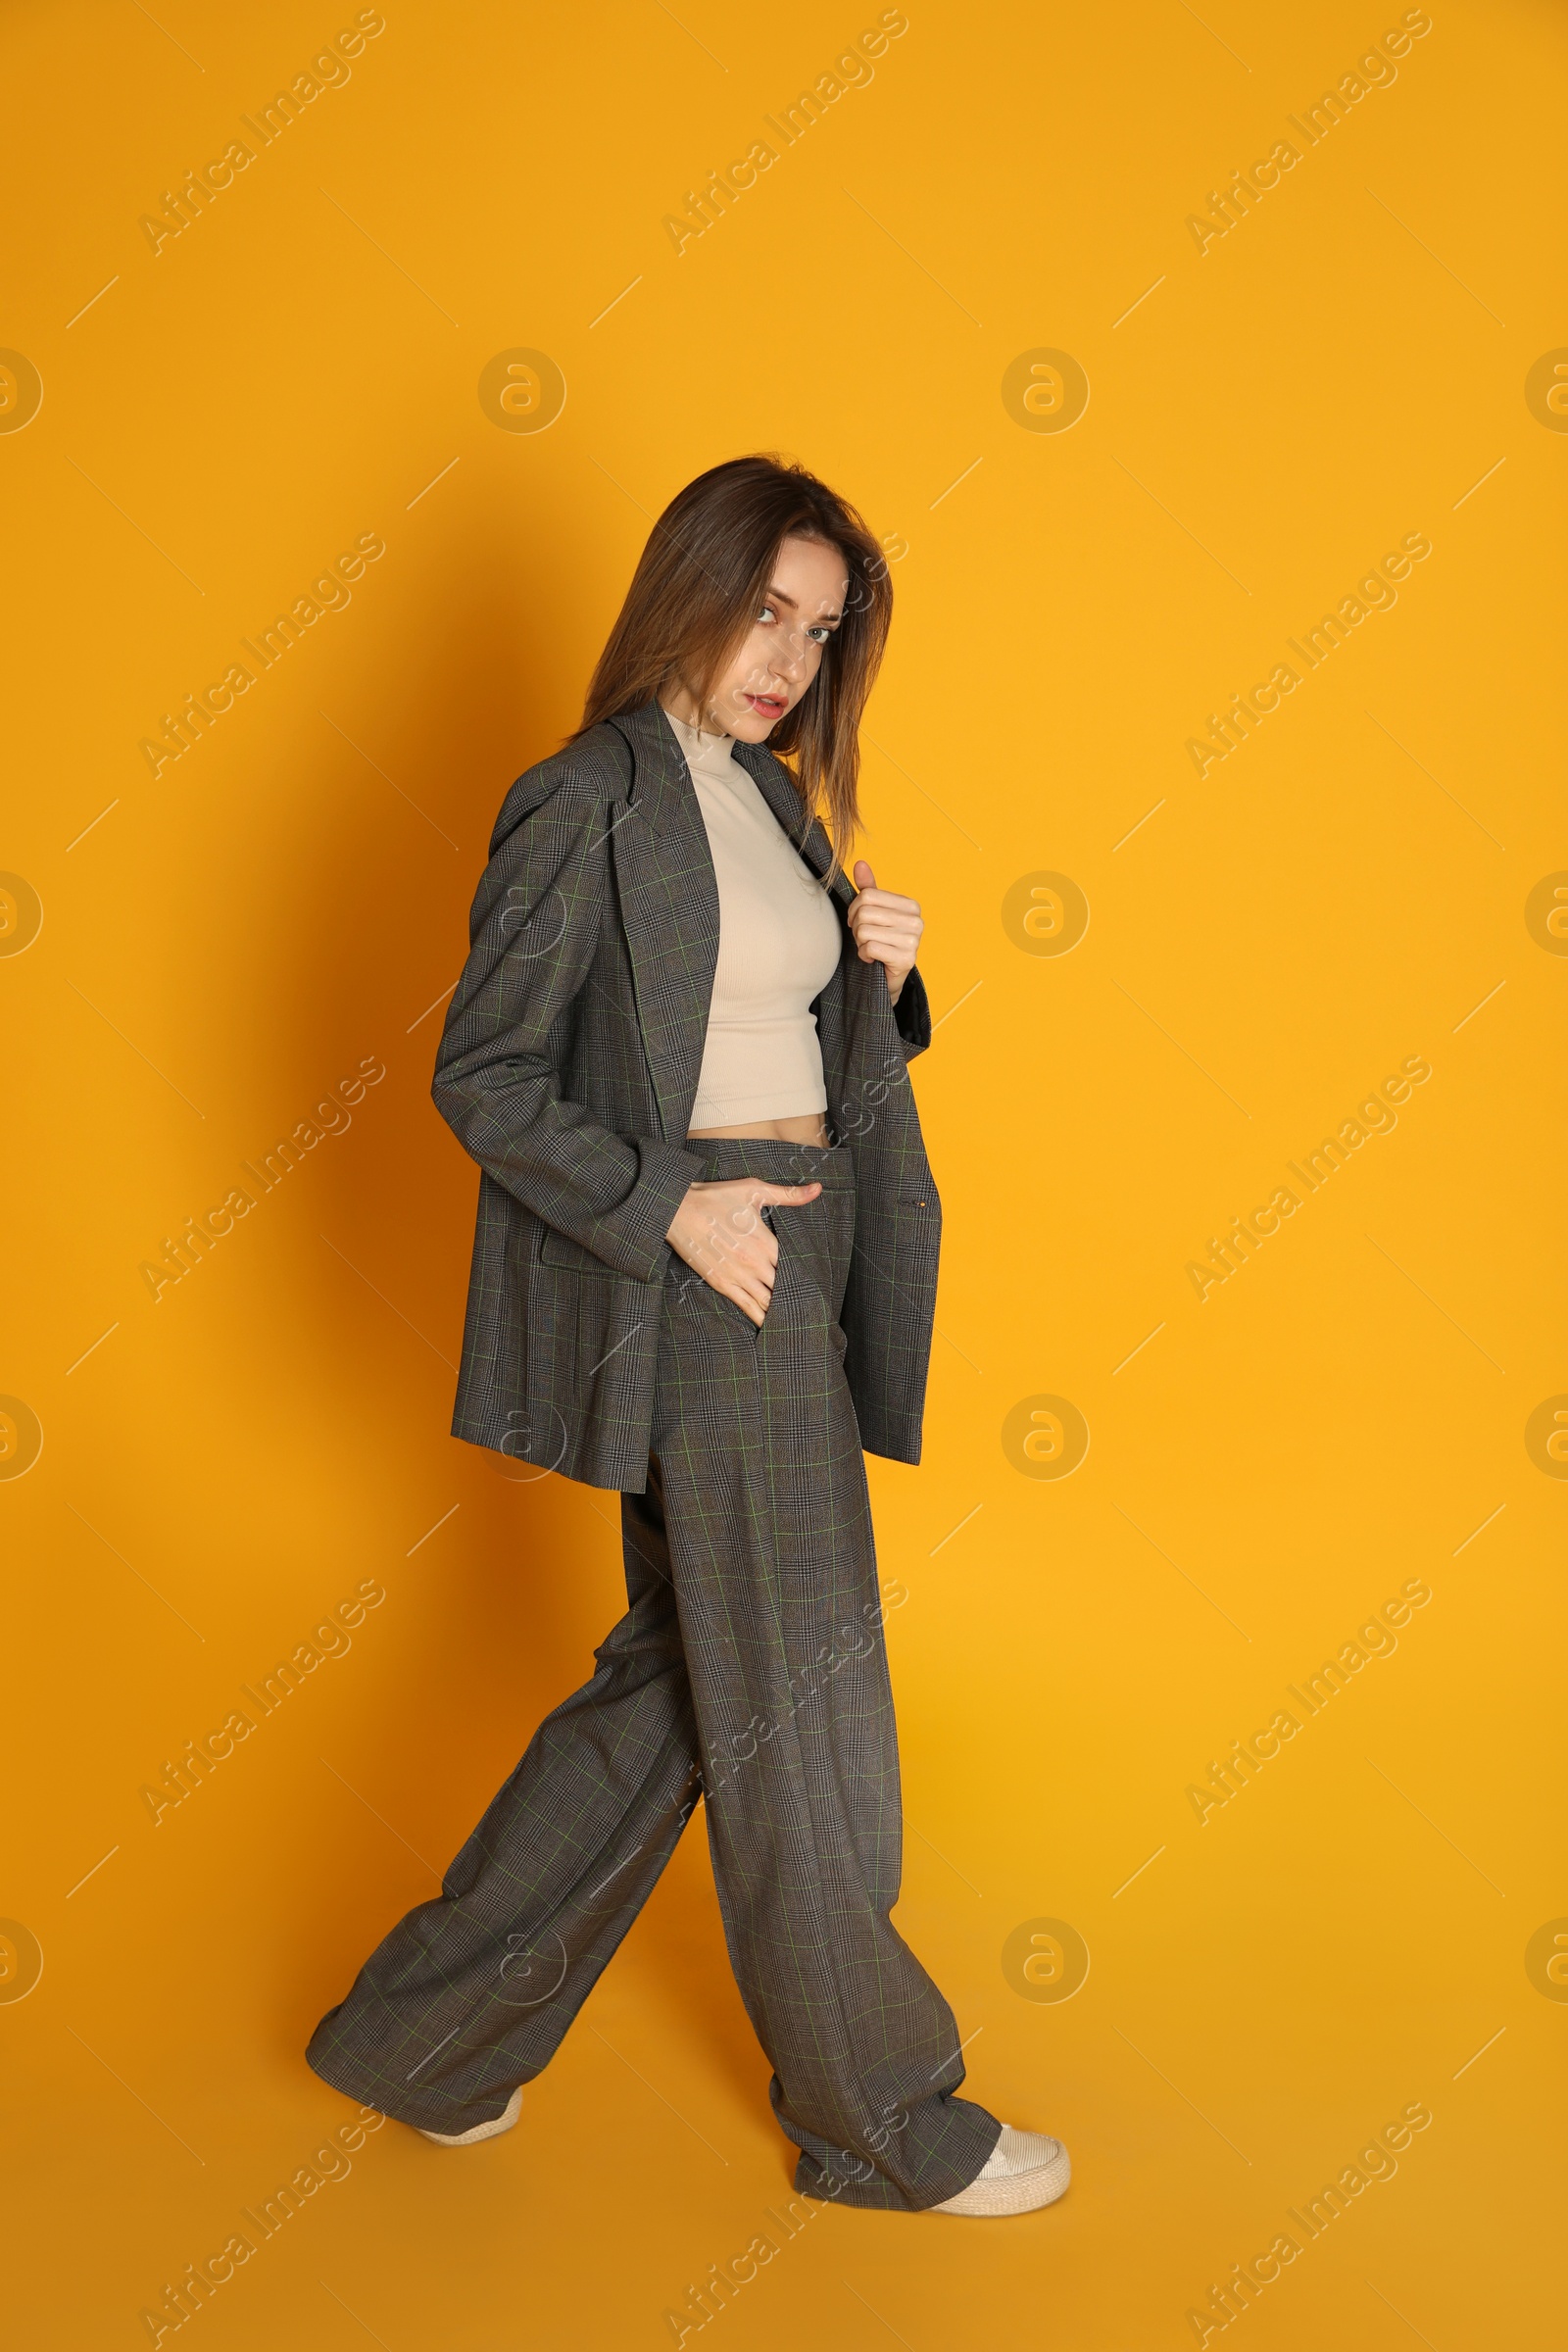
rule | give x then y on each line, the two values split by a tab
750	1669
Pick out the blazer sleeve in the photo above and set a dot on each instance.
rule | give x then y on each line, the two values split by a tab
535	927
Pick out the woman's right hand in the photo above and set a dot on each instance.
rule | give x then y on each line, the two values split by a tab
719	1233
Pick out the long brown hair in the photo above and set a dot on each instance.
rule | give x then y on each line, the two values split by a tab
696	593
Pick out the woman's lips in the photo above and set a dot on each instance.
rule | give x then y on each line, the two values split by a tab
767	706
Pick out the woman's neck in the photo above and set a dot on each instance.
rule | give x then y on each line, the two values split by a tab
679	704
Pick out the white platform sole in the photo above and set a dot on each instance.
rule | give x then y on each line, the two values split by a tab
466	2139
1011	2193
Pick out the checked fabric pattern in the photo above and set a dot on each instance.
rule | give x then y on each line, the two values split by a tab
750	1668
568	1068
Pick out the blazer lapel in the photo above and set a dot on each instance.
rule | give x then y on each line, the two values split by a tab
669	910
669	903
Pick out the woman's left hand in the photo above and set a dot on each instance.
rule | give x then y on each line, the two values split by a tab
886	928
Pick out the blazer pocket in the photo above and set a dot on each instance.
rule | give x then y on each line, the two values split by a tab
559	1249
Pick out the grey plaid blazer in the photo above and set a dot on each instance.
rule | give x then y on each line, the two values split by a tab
568	1068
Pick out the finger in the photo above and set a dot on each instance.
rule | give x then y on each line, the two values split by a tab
865	879
751	1298
754	1246
884	901
755	1270
753	1258
892	915
743	1270
790	1195
904	917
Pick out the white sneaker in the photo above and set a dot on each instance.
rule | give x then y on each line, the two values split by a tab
466	2139
1023	2170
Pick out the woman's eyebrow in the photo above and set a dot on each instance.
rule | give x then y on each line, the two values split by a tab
776	596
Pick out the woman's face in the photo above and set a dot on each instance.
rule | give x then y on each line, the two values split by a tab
778	660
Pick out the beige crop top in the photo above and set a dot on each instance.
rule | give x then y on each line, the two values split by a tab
778	947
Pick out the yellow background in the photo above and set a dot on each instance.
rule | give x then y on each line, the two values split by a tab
232	938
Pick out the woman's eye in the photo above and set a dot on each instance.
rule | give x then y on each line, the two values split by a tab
768	614
819	635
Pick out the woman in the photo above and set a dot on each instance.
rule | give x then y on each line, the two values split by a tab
704	1275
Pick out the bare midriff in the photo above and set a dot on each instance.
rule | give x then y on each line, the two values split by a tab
805	1127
